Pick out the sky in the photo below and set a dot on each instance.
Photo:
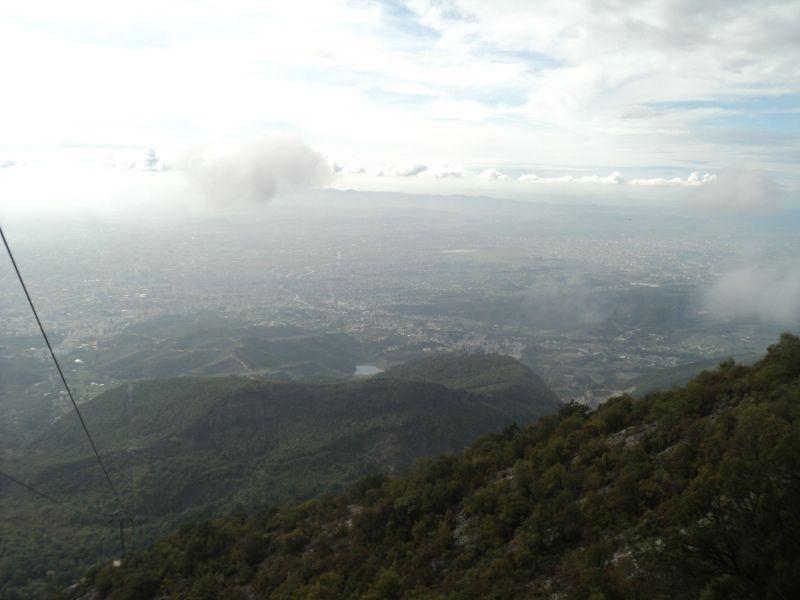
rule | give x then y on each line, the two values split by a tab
605	98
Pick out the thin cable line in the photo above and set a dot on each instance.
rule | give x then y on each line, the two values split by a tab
95	520
60	372
30	488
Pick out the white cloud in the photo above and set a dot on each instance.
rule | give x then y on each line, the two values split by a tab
559	85
414	169
493	174
456	170
254	171
7	163
613	178
694	179
770	292
741	190
446	171
408	170
347	168
149	161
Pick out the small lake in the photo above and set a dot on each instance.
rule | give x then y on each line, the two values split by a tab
366	370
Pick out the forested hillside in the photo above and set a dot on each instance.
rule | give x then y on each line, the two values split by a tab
691	493
192	448
491	375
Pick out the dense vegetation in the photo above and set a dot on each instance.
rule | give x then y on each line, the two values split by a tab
691	493
190	448
491	375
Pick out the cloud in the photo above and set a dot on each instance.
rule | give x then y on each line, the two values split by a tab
408	170
348	168
418	169
767	292
6	164
613	178
255	171
150	161
452	170
446	171
695	179
662	82
742	190
493	174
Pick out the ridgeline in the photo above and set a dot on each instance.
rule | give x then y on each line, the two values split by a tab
186	449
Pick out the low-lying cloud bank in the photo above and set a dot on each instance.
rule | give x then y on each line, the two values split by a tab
493	174
149	162
694	179
256	170
137	182
743	190
249	172
455	170
613	178
424	170
767	292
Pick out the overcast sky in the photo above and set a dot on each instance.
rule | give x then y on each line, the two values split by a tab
497	95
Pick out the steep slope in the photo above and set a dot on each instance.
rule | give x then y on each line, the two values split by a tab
189	448
682	494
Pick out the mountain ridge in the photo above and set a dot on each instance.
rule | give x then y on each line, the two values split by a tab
190	448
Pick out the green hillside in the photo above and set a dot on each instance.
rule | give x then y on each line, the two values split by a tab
190	448
689	493
664	379
487	374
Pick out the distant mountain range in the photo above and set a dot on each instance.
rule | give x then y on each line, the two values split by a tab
188	448
689	493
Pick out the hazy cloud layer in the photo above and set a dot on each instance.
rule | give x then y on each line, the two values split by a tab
742	190
255	171
150	161
493	174
615	178
446	171
694	179
415	169
456	170
6	164
557	89
768	292
409	170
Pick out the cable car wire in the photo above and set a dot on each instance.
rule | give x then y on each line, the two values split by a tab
60	371
30	488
